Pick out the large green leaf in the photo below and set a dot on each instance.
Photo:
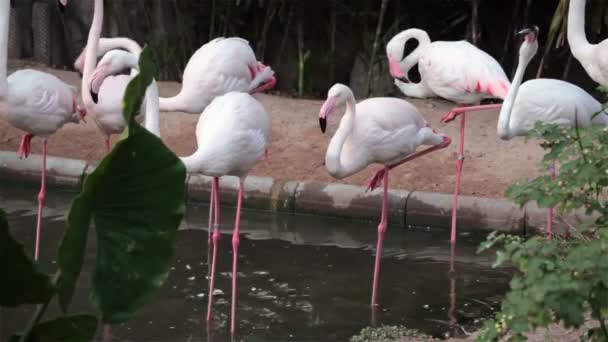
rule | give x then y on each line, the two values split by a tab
22	283
135	197
76	328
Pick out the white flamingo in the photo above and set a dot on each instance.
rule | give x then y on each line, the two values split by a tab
593	57
457	71
216	68
103	96
35	102
546	100
378	130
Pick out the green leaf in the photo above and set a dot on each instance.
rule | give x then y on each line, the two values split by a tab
135	197
136	90
23	283
76	328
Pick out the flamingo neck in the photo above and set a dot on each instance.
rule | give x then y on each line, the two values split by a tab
152	121
5	15
193	162
419	90
90	58
504	118
333	156
576	29
177	103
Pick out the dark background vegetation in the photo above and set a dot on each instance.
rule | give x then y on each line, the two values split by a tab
315	43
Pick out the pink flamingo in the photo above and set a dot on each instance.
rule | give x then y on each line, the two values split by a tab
546	100
218	67
456	71
591	56
377	130
35	102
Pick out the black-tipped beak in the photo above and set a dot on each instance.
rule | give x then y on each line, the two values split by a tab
323	124
527	30
61	6
94	96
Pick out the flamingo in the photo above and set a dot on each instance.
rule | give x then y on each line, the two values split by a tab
35	102
457	71
546	100
378	130
218	67
593	57
103	95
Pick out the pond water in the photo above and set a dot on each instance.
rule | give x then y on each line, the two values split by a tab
300	277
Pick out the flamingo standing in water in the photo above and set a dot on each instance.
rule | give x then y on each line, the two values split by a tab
456	71
546	100
377	130
218	67
593	57
35	102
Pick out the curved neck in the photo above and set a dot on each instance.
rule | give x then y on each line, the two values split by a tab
334	150
419	90
174	103
107	44
192	162
504	118
576	28
91	54
5	15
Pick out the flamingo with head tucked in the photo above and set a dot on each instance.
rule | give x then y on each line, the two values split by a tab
546	100
216	68
379	130
35	102
457	71
593	57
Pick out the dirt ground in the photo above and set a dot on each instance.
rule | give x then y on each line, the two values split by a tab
297	149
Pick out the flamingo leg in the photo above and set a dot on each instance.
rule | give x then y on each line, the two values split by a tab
214	239
381	230
452	114
453	322
107	333
550	210
25	146
41	196
379	175
235	256
209	246
459	165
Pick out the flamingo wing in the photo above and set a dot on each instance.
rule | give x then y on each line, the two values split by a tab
39	103
460	72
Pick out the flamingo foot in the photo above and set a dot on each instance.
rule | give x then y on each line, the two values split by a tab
25	146
376	180
449	116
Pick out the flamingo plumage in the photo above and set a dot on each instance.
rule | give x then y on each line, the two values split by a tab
35	102
546	100
380	130
454	70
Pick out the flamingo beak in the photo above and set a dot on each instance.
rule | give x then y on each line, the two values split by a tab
395	69
327	108
530	32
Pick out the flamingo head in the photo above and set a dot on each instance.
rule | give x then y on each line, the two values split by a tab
402	54
62	5
336	96
112	63
530	45
266	72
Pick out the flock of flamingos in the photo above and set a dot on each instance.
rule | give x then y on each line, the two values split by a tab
232	131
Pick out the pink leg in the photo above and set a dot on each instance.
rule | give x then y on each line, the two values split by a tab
377	178
108	144
209	246
459	163
550	210
41	196
214	239
235	255
381	231
452	310
107	334
452	114
25	146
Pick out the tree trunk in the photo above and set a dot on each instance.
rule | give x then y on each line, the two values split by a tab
292	9
25	32
475	21
302	56
58	50
271	10
370	73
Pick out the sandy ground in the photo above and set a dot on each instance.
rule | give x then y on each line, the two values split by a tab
297	149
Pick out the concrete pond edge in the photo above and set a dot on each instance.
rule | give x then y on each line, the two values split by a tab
406	208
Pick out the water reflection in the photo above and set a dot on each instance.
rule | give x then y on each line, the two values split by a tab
300	278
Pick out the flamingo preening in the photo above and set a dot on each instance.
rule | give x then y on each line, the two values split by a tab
35	102
593	57
457	71
546	100
216	68
379	130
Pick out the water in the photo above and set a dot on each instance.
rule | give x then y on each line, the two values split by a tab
300	277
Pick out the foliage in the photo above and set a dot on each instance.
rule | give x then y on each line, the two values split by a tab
386	333
564	279
27	285
135	197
